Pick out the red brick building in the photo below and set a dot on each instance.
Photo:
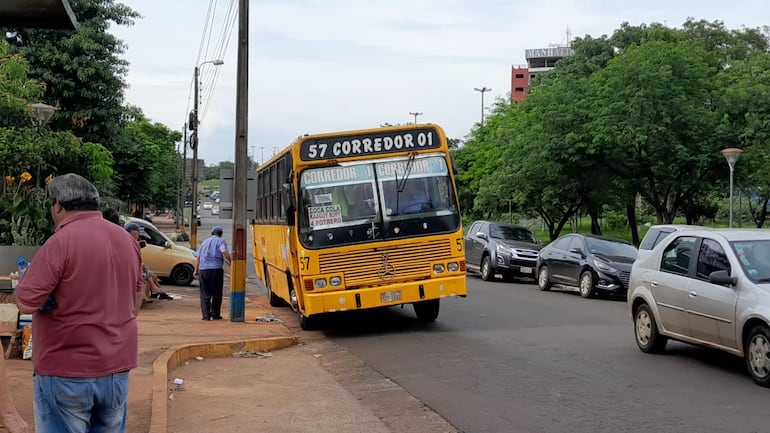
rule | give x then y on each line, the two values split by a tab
538	60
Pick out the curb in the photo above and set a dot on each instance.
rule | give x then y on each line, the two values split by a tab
173	357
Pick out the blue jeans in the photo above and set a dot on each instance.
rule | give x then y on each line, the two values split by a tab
80	405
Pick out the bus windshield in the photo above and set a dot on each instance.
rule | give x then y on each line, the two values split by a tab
372	201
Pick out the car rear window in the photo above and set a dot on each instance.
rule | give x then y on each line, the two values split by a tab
653	238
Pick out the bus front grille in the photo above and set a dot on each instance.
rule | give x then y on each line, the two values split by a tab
375	266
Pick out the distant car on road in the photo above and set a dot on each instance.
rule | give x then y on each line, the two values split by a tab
498	248
207	205
215	210
592	264
707	287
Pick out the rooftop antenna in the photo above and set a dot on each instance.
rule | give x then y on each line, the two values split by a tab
569	37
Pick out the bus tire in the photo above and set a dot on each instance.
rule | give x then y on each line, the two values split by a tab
306	323
427	311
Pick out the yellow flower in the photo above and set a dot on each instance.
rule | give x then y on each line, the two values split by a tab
25	177
10	179
49	178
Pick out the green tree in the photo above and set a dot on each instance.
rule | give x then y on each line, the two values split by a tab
83	72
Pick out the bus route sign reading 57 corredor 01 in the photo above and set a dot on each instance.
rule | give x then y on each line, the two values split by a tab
314	149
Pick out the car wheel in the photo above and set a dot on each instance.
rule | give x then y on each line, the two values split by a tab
586	284
757	355
305	322
182	275
646	332
486	269
543	279
427	311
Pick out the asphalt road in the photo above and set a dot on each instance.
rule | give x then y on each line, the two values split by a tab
512	359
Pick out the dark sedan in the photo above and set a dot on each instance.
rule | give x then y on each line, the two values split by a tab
592	264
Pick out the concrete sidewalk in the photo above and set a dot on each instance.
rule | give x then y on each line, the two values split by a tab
172	334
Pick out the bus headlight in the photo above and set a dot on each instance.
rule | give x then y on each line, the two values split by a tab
335	281
453	266
320	283
438	268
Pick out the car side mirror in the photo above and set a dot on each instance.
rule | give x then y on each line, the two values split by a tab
722	278
142	244
167	244
481	235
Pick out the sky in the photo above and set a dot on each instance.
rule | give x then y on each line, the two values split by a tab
333	65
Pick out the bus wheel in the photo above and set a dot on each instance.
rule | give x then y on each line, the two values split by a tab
306	323
427	311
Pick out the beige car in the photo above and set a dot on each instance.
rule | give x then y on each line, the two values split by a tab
709	288
165	259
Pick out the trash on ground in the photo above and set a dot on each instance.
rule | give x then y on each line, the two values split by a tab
178	381
199	358
171	397
252	354
268	319
317	355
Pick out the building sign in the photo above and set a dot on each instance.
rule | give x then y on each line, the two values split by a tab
341	147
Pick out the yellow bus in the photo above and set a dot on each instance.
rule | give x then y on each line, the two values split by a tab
360	219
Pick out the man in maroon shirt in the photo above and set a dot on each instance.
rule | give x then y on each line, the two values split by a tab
81	288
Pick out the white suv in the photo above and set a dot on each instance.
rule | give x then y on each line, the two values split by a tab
706	287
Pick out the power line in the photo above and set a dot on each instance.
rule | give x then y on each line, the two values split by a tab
226	35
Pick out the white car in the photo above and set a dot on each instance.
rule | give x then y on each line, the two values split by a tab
207	205
215	210
707	287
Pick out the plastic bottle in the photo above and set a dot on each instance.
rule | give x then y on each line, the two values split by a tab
22	263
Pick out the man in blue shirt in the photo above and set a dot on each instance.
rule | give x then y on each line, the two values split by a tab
211	257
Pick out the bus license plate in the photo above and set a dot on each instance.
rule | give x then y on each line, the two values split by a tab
392	296
525	270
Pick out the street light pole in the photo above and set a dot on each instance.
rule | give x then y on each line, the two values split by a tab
731	155
193	125
43	113
482	90
415	114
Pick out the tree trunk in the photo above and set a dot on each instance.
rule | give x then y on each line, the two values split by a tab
632	223
596	228
762	213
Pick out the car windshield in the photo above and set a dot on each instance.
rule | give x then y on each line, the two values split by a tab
754	257
610	248
358	203
512	233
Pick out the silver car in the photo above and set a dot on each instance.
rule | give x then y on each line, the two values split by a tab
706	287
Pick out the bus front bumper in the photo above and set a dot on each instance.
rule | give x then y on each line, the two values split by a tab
382	296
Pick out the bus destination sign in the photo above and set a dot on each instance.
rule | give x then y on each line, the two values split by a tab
340	147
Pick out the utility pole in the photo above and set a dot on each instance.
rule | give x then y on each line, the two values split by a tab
194	144
262	159
193	125
184	174
415	114
240	181
482	90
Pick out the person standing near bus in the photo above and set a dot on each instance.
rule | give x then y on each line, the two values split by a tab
81	290
209	267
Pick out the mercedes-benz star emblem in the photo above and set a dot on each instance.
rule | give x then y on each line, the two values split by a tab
386	270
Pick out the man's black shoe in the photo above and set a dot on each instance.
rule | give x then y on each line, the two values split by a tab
216	318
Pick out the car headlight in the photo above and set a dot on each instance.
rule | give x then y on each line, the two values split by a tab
603	267
438	268
453	266
335	281
501	249
320	283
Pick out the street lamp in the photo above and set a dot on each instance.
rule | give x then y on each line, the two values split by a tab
415	114
482	90
731	155
193	125
43	113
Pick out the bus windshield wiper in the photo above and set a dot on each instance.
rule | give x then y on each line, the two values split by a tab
402	183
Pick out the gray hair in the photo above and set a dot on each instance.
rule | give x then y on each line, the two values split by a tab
73	192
